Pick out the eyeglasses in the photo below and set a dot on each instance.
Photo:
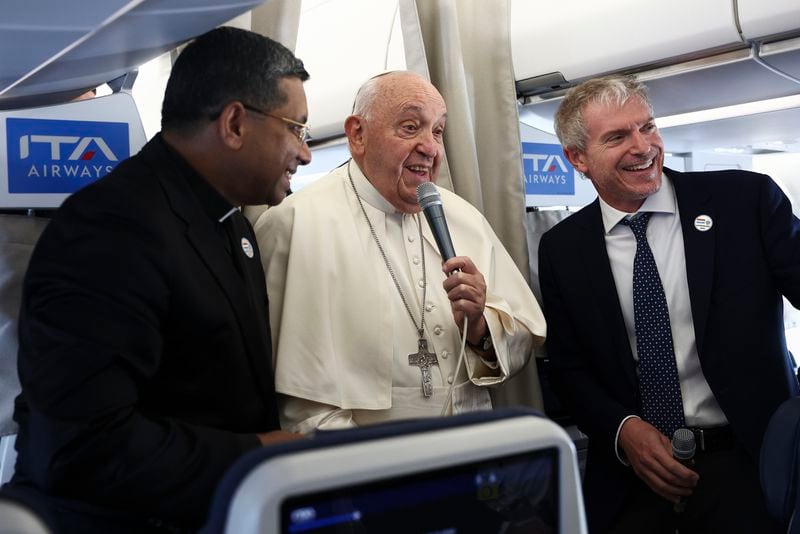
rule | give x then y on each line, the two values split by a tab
301	130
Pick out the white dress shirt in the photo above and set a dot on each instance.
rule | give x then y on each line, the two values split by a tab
665	238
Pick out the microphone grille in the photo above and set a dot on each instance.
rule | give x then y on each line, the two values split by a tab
683	445
427	195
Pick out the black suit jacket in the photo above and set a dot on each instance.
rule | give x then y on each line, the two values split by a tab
144	358
737	272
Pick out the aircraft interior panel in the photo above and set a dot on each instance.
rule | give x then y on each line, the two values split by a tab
86	53
578	50
331	43
28	39
764	18
693	55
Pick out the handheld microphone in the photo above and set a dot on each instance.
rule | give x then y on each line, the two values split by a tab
683	449
430	201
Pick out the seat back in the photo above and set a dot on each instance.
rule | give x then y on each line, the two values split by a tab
479	472
780	464
18	235
71	140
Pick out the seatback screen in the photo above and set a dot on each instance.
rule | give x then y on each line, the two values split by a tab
511	494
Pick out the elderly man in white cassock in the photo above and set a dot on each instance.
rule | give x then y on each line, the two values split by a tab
366	318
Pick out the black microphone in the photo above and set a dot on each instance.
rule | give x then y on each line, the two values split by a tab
431	203
683	448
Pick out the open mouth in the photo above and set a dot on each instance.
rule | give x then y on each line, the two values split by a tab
419	170
643	166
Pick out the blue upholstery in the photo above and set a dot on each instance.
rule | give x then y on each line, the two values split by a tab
780	464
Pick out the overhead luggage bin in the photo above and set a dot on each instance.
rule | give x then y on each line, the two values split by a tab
54	50
692	58
32	33
768	19
572	40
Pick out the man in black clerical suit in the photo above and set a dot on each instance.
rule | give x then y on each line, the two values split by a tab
144	348
681	328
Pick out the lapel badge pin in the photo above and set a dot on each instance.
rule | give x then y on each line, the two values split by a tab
703	223
247	247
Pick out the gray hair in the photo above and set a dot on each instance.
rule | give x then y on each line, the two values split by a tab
366	96
616	89
369	93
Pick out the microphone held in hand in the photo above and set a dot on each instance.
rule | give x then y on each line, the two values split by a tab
683	449
431	203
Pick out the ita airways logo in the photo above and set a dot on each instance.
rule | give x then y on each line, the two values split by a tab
547	171
58	156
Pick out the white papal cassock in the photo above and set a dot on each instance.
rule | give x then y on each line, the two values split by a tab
340	333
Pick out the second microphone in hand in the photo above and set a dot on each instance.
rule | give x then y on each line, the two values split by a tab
683	449
430	201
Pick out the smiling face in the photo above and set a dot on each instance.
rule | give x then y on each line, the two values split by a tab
624	154
397	142
275	149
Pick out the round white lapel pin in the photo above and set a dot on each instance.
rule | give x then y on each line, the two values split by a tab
247	247
703	223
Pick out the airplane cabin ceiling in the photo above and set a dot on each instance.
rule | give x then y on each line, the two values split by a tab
53	50
723	80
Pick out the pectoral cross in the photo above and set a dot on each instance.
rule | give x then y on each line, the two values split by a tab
424	360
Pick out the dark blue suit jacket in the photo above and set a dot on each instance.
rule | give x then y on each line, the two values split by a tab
737	272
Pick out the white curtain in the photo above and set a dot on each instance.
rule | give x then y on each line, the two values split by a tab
463	47
278	20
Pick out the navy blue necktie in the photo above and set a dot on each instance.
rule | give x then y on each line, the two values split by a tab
662	405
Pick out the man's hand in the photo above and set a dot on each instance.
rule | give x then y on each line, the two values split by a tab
650	454
278	436
467	293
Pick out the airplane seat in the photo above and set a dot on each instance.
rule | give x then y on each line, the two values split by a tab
78	142
780	465
487	471
537	222
18	235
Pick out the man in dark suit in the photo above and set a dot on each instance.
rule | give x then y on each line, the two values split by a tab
675	322
144	345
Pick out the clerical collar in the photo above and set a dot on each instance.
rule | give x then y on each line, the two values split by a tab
662	201
213	204
368	192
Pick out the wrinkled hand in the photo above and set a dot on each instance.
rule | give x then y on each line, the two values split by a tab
467	293
278	436
650	454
